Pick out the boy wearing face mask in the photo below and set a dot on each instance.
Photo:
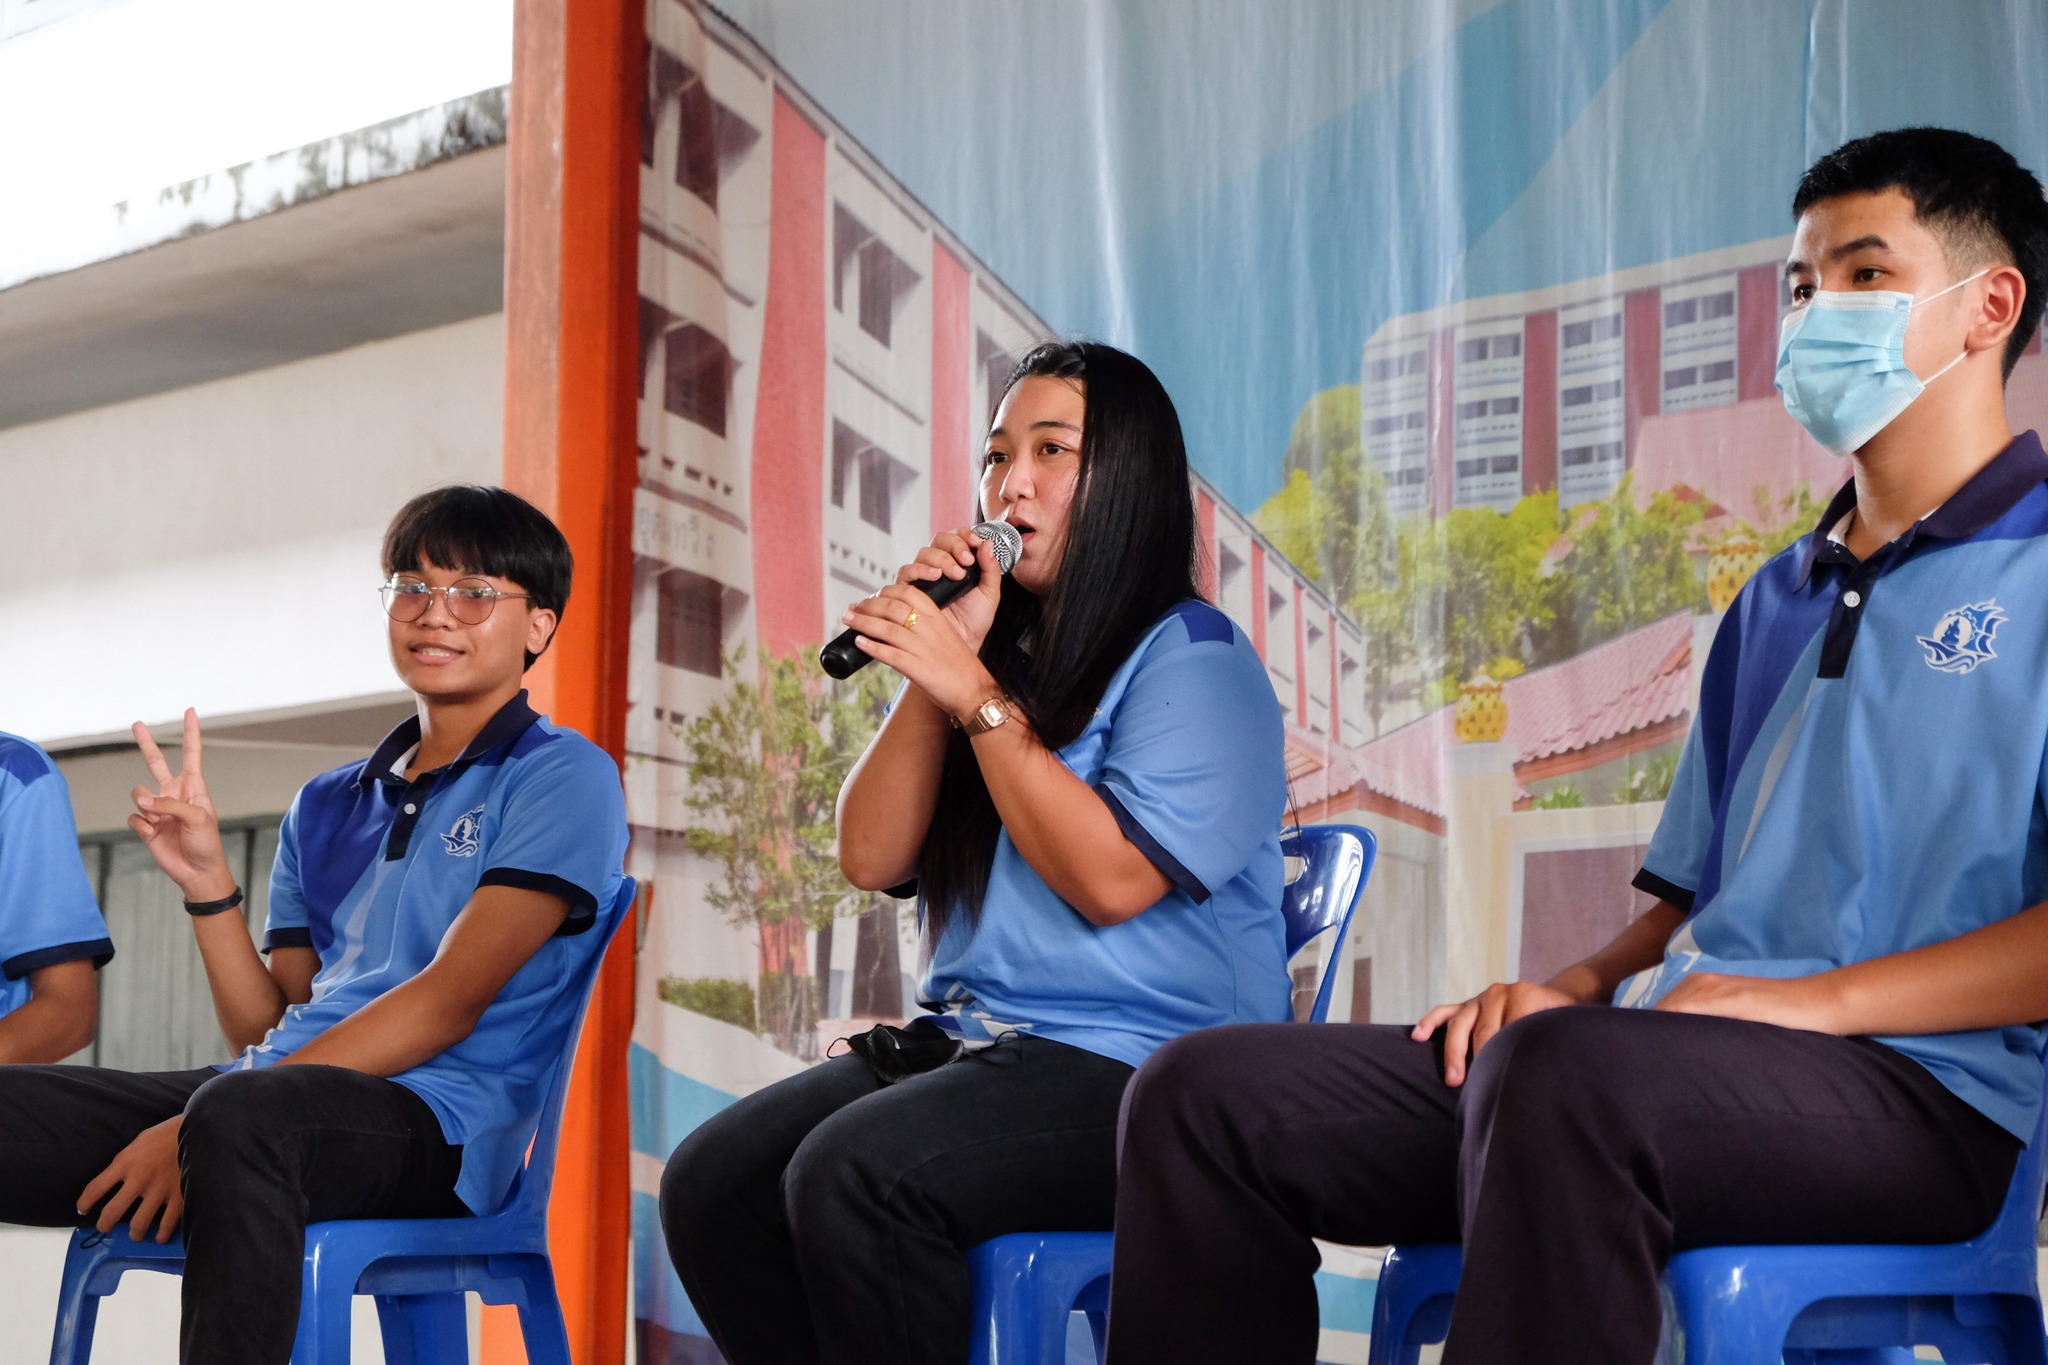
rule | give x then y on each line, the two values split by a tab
1826	1026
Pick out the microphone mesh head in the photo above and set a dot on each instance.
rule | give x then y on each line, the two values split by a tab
1007	542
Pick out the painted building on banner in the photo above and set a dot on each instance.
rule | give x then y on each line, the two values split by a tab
1480	402
1664	373
818	359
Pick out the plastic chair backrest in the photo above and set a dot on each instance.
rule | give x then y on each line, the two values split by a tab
1336	859
2020	1215
535	1181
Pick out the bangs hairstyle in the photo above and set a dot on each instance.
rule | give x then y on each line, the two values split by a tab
468	528
1129	558
1984	206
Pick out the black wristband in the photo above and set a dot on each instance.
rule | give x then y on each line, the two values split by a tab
199	908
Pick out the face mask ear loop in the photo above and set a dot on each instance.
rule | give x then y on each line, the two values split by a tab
1945	369
1965	352
1952	288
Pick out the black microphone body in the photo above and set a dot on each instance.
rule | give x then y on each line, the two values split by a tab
843	658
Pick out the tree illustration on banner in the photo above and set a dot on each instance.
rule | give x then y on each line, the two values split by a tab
766	763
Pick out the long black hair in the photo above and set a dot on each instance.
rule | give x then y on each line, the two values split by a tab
1129	557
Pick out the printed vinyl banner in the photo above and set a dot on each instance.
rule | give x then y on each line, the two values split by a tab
1471	312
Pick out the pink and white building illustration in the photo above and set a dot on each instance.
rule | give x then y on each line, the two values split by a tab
818	358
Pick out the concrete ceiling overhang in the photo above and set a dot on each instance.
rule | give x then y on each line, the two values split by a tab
375	260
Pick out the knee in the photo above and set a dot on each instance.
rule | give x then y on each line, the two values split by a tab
1188	1082
1559	1061
833	1173
236	1122
236	1109
701	1190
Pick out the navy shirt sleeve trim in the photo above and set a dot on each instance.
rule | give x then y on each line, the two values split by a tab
100	950
582	905
1649	882
290	937
1153	849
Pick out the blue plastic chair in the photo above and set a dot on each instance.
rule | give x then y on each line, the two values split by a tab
418	1269
1978	1301
1027	1283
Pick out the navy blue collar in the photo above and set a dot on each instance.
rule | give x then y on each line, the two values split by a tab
512	721
1989	495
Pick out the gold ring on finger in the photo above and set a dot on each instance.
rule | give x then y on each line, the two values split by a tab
910	621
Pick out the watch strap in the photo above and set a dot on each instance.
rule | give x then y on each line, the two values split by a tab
987	716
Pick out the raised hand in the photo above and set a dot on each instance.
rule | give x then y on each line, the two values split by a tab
937	649
950	555
177	821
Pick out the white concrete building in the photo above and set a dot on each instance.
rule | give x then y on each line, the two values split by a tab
251	297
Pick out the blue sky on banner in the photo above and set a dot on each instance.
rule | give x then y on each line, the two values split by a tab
1242	193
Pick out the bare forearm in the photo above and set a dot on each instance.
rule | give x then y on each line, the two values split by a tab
1988	978
1064	829
402	1028
247	1001
887	803
52	1024
496	934
1637	948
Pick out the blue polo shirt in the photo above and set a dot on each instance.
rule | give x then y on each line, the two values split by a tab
1185	750
47	910
372	870
1866	772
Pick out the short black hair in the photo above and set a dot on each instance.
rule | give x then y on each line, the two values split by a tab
474	529
1968	190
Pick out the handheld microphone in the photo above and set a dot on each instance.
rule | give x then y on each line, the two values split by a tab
843	658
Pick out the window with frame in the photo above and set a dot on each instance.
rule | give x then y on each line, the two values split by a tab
880	279
156	1009
996	364
690	625
699	377
870	475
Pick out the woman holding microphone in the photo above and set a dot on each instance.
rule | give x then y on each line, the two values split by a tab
1083	779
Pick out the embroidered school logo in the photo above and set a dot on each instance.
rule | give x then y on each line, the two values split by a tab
1962	639
465	836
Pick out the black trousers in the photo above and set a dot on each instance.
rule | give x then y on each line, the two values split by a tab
1586	1146
262	1154
826	1218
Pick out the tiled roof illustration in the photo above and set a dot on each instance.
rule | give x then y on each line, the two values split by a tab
1632	683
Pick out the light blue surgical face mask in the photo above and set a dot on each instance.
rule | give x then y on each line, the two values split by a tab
1842	363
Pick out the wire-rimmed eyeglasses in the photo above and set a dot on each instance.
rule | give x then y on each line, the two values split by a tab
470	600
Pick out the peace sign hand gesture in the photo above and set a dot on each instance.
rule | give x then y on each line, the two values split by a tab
177	820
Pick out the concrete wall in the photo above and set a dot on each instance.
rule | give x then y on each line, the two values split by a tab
216	546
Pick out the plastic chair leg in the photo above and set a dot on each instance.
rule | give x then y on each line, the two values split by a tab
540	1314
424	1329
326	1300
77	1310
1098	1328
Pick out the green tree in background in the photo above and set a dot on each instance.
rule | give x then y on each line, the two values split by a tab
1330	519
1440	599
1628	567
1493	590
765	766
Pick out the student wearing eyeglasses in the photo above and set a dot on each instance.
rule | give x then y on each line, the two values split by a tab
430	918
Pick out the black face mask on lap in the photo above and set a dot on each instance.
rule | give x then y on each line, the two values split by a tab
893	1053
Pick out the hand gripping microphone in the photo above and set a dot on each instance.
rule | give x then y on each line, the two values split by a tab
843	658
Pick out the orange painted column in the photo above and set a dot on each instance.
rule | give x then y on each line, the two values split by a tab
571	233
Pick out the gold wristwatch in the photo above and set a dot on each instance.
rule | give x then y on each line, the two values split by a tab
988	716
